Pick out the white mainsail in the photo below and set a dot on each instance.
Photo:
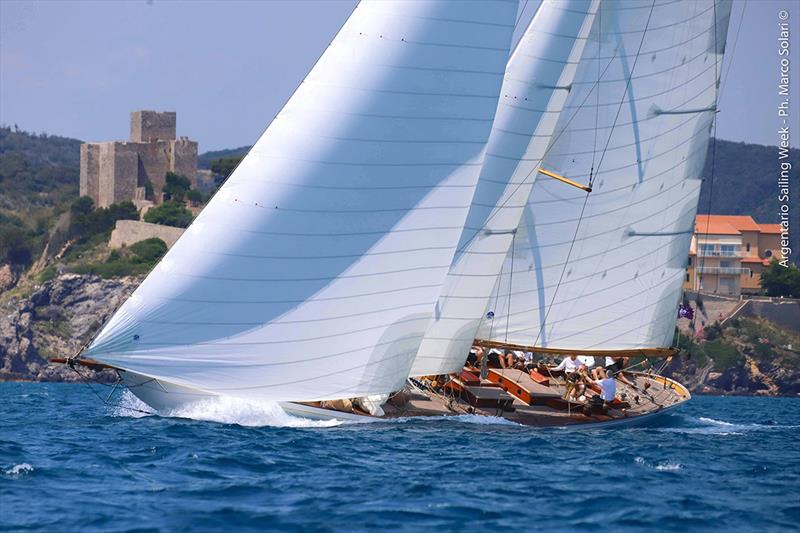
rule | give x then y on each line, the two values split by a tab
536	85
313	273
604	271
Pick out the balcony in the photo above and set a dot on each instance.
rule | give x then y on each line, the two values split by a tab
730	271
719	253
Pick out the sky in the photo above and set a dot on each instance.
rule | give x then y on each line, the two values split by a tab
78	68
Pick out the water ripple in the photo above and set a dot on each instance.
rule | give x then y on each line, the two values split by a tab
716	464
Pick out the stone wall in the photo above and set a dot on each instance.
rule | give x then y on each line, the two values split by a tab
154	162
118	170
90	170
128	232
149	126
184	159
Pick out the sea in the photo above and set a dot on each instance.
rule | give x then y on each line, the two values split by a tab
71	462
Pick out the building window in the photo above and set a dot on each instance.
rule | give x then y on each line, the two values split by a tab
767	253
751	273
687	276
690	260
748	246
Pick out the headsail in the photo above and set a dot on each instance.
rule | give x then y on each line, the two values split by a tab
537	82
604	270
312	273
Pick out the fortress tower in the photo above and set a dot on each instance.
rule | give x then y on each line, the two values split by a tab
116	171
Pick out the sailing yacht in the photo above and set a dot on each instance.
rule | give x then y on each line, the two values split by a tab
426	190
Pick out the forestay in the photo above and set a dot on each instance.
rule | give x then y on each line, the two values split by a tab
535	87
313	273
604	270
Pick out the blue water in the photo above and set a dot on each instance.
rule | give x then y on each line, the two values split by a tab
70	463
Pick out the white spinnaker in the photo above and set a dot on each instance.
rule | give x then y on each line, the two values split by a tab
613	280
313	273
535	88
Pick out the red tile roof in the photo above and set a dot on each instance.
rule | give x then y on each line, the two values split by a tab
771	228
726	224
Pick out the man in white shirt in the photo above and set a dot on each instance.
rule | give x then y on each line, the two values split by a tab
574	371
569	365
608	388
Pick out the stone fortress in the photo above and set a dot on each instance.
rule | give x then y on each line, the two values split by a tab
116	171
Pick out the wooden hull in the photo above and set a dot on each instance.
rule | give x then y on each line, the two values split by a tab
526	409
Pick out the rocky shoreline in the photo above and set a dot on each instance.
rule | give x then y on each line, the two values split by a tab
59	316
55	320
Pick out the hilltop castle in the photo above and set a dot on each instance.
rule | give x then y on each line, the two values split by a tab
116	171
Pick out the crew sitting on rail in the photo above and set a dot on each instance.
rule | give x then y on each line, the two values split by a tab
523	360
569	365
475	356
499	359
608	386
614	365
575	373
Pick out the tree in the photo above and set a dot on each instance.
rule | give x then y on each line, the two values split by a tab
223	168
196	197
149	192
86	222
18	243
224	165
169	213
82	206
779	280
176	187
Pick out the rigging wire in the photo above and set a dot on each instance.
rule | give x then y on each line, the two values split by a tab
599	165
701	265
522	12
510	283
724	77
86	381
533	171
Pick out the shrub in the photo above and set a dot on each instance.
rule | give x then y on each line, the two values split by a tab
713	331
724	355
47	274
86	224
18	242
195	196
149	250
169	214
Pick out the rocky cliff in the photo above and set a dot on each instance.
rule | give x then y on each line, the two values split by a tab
55	320
747	356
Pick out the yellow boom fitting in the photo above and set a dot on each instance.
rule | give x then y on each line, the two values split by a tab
565	180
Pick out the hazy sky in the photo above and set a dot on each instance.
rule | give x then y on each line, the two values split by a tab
77	68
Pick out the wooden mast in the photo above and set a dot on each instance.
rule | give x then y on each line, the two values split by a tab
645	352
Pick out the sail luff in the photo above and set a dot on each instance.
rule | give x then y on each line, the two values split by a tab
312	273
610	278
537	82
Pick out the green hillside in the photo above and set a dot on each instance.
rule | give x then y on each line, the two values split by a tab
204	160
37	170
39	176
745	183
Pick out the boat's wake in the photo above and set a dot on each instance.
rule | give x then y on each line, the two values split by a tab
224	410
702	425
